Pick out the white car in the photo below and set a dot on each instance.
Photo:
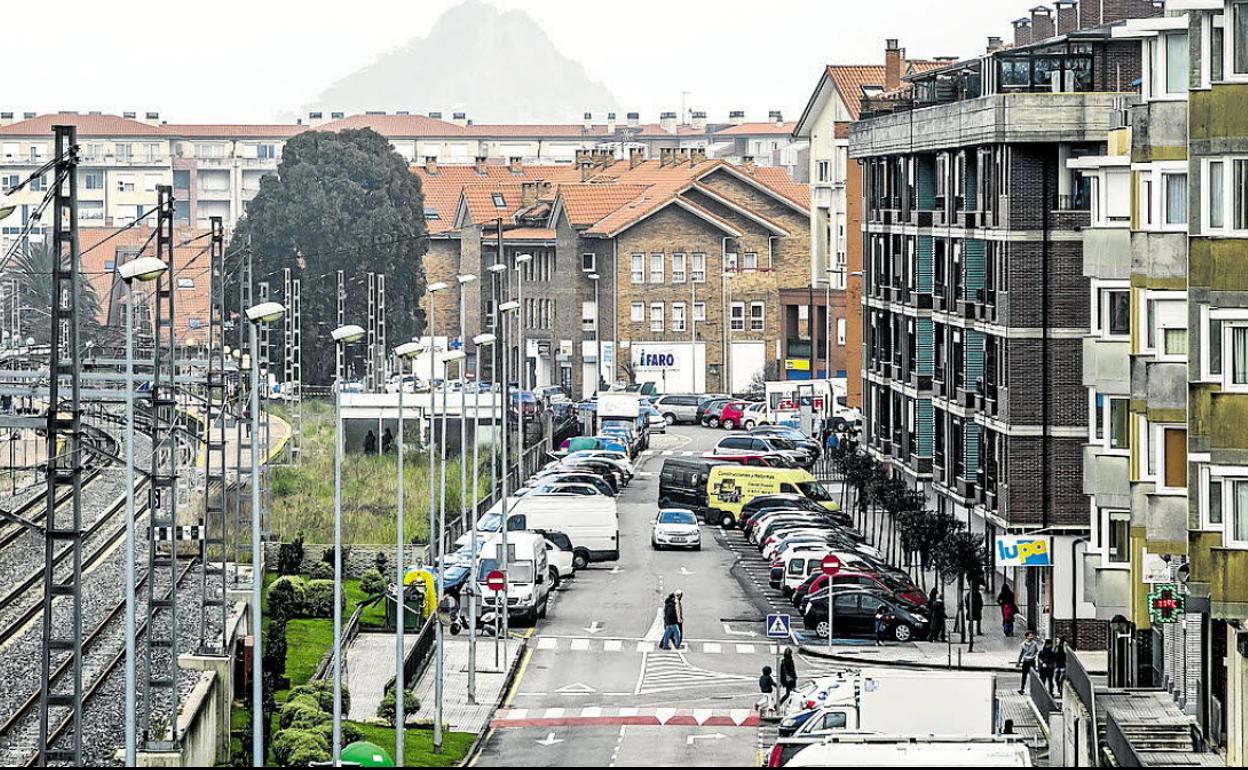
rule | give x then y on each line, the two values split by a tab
564	488
676	528
559	556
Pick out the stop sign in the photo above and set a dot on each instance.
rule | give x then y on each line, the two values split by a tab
830	565
496	580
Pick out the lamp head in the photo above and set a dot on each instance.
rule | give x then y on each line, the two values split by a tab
484	340
497	267
593	276
142	269
465	278
347	334
410	349
454	355
434	288
522	258
265	312
508	307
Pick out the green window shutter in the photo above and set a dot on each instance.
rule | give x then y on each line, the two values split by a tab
924	424
973	265
924	256
970	449
973	356
925	339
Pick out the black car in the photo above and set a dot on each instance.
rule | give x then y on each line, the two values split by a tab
682	482
604	470
801	440
854	616
796	501
572	477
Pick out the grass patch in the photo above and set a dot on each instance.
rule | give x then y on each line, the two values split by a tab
303	496
418	745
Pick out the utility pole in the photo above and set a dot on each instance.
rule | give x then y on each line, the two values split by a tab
244	300
62	601
370	359
214	521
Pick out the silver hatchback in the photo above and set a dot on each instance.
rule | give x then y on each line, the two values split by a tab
678	408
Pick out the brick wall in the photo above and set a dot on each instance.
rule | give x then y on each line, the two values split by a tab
1068	287
853	284
1121	66
1093	634
1117	10
1026	381
1068	506
1042	26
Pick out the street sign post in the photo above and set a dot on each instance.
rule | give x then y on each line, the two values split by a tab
496	581
779	627
831	565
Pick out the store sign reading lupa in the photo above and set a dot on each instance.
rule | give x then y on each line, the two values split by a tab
1024	551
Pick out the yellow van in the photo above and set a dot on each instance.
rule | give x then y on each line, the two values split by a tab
730	487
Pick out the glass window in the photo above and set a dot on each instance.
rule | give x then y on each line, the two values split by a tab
1217	53
1217	194
588	262
1118	536
656	316
1215	346
1239	194
1177	52
638	312
699	311
1215	501
678	268
1119	420
1175	342
1239	510
749	261
1239	38
1176	199
758	313
698	267
656	268
1116	307
678	316
1239	356
639	268
738	316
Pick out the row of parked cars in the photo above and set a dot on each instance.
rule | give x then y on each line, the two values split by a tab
712	411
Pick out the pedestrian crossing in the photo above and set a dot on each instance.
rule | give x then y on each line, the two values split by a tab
642	647
628	715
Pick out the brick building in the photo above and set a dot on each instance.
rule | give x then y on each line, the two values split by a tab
678	245
974	300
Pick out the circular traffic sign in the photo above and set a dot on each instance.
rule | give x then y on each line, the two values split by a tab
830	565
496	580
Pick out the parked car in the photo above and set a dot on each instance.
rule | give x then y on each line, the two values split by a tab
811	499
524	402
682	482
713	406
741	444
560	476
754	415
792	435
559	556
654	420
566	488
905	592
732	414
676	528
678	408
854	616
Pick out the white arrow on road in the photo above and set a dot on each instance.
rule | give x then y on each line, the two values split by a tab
576	688
684	571
593	628
728	630
709	737
549	740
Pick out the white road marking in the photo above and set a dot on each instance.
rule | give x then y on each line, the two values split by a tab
612	645
711	648
580	645
745	649
549	740
546	643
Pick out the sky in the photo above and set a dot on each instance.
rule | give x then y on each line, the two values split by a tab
259	60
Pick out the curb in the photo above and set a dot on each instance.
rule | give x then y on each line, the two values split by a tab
478	743
818	652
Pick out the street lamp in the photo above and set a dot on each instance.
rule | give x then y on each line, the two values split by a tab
342	336
434	289
481	340
496	274
409	351
463	281
725	292
142	270
506	309
597	344
265	312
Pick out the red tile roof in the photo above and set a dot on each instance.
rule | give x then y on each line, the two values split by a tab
850	79
585	204
88	125
233	130
764	128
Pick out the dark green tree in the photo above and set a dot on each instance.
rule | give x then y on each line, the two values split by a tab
31	266
961	558
340	201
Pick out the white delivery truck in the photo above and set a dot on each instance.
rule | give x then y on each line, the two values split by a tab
619	413
591	522
918	751
528	574
828	404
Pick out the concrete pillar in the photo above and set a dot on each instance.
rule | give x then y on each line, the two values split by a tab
221	696
1235	710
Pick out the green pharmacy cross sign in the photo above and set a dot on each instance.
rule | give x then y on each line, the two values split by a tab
1165	604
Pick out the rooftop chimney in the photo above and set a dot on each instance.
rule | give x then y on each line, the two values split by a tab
634	120
698	121
152	118
588	121
6	118
697	155
435	115
679	155
431	165
995	44
479	164
459	118
1067	16
610	122
736	117
1089	14
129	115
667	121
636	156
893	56
337	115
528	193
1042	23
28	116
667	156
316	118
1022	32
584	156
587	170
776	116
747	163
514	164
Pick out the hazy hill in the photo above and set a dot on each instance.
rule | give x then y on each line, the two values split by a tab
496	66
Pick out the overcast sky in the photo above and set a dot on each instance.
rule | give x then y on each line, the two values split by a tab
259	60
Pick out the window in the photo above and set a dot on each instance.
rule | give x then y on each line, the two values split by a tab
1146	201
1238	506
1165	325
266	151
1213	502
699	311
93	180
39	183
840	331
823	171
1235	356
1109	419
1216	197
1113	317
639	268
749	261
1176	198
589	317
656	268
125	183
589	262
678	268
1226	206
678	316
638	312
186	283
730	261
1173	446
697	267
758	312
656	316
1176	64
123	152
737	321
432	214
499	200
1239	38
1118	536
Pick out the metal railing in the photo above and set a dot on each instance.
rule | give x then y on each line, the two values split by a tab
349	632
1041	698
1124	753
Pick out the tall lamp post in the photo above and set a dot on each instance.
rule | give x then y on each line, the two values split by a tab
436	546
407	351
263	313
463	281
597	334
342	336
141	270
726	295
521	261
497	274
506	309
481	340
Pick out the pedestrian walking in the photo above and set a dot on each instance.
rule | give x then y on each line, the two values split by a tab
788	675
1059	662
1045	663
937	606
767	686
881	625
1028	654
370	443
671	631
387	442
976	605
1009	609
680	618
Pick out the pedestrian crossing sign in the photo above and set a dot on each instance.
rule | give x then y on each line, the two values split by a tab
778	627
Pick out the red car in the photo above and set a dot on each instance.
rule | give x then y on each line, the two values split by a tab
732	416
908	593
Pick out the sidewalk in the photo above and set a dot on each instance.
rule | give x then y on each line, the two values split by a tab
457	713
370	666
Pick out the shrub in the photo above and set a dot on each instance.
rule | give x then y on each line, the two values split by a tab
274	652
321	571
386	711
304	709
372	583
319	599
350	733
286	597
300	748
321	692
290	557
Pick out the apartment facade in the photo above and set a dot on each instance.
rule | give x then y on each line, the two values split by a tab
974	299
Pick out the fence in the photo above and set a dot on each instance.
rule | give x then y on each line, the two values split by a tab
1124	753
1041	698
349	632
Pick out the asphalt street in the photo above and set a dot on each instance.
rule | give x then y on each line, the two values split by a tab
595	690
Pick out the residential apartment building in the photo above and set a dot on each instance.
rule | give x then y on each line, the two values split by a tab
974	299
666	271
834	337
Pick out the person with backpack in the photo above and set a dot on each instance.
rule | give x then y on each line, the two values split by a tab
1009	609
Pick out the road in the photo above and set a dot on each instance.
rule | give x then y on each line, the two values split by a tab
595	690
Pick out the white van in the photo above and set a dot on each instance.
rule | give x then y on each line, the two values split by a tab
591	523
801	563
528	574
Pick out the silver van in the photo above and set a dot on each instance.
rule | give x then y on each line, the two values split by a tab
678	408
